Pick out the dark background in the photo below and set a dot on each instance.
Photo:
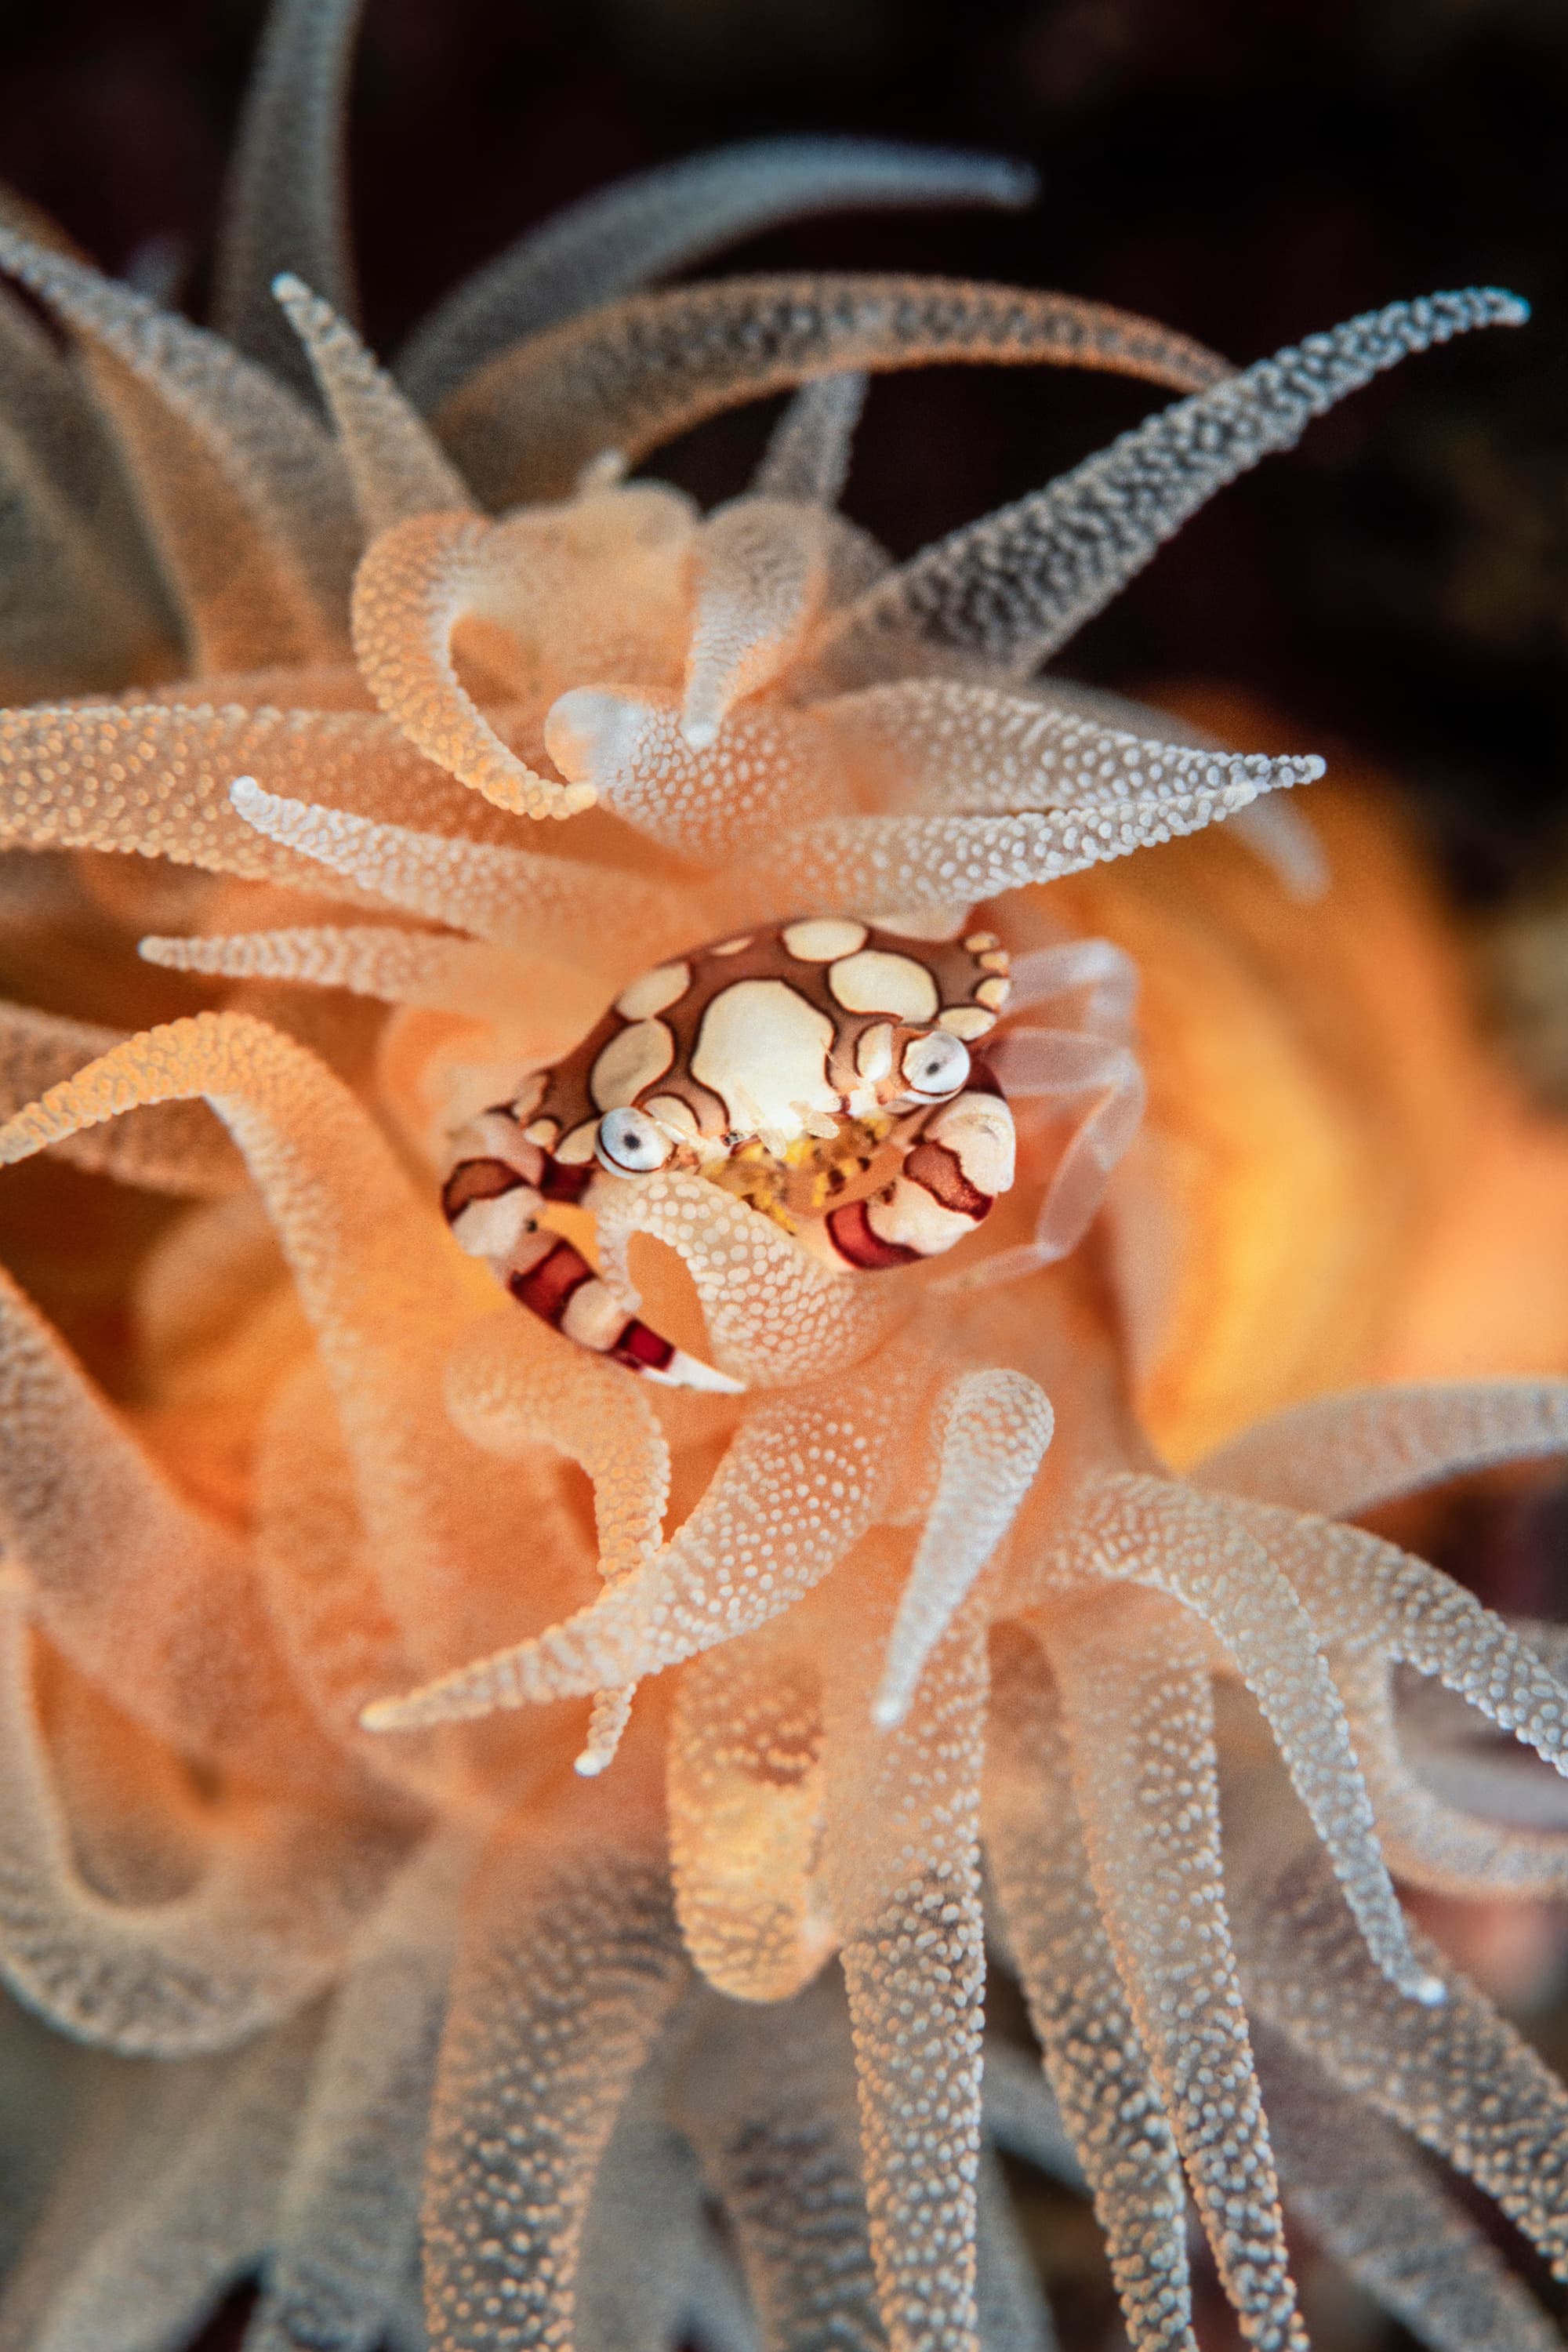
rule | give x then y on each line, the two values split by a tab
1248	169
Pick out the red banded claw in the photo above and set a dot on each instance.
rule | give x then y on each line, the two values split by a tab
822	1071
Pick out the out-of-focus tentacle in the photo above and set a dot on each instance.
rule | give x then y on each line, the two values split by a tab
1094	2055
174	1148
262	1930
1140	1726
807	456
643	2238
766	2096
397	467
1377	2209
379	959
1011	2307
1458	2076
173	2206
639	372
745	1796
1341	1454
248	500
149	1596
348	2216
655	222
284	206
571	1965
1154	1532
1016	585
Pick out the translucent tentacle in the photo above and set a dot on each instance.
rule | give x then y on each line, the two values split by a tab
1011	2310
284	206
941	861
801	1481
759	573
1457	2076
1140	1726
655	221
1094	2055
637	373
767	2098
1160	1534
1362	1593
508	1388
807	456
374	1269
416	584
397	467
643	2236
1430	1841
370	959
1019	584
774	1316
155	778
175	1149
902	1862
945	745
566	1975
348	2218
994	1429
745	1797
1020	2111
1063	1068
260	1932
1343	1455
263	569
766	768
150	1599
197	2160
1373	2205
511	896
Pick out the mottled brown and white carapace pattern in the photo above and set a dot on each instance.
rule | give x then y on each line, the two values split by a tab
783	1063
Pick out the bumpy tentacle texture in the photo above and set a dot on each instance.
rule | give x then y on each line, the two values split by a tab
1017	585
248	500
767	2100
637	373
1141	1731
1457	2077
799	1484
1368	2198
523	578
285	205
667	219
1098	2063
396	466
564	1981
350	1494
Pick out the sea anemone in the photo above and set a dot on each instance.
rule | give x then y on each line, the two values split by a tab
969	1593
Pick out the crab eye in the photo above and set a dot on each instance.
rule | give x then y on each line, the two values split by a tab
630	1143
935	1066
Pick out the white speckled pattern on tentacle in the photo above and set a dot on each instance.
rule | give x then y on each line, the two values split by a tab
783	1064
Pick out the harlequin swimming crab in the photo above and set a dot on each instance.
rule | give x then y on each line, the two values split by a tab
823	1070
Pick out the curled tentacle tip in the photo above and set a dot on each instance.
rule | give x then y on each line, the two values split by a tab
1430	1992
699	734
888	1710
590	731
286	287
590	1764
